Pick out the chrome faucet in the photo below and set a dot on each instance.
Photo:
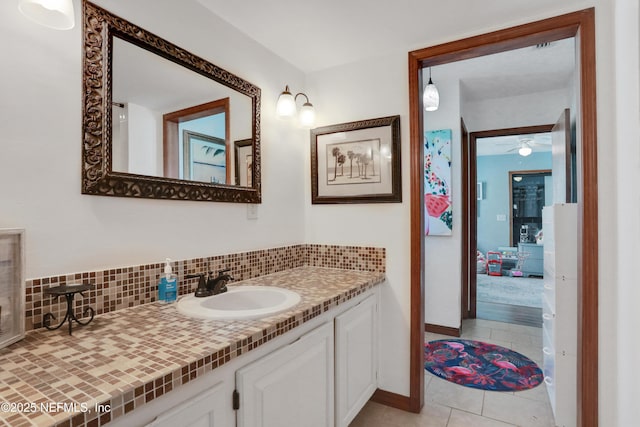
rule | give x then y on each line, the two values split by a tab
212	285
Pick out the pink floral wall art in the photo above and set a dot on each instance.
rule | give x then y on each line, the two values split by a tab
437	182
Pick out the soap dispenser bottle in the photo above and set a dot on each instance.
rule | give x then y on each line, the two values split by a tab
168	286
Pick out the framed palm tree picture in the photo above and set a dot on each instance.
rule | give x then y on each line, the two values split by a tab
356	162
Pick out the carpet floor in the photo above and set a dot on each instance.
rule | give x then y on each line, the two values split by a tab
524	291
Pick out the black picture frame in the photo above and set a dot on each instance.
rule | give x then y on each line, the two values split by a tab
369	151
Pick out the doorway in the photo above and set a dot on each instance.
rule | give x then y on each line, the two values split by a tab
505	280
481	190
196	143
580	25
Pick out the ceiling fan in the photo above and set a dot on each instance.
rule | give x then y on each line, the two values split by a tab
525	146
508	144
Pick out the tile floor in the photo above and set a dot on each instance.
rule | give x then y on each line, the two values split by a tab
451	405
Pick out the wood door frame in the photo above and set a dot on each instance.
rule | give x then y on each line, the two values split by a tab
580	25
467	294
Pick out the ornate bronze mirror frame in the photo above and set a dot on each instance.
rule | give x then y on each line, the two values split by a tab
98	176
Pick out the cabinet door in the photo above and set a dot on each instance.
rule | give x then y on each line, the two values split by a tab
210	409
356	359
290	387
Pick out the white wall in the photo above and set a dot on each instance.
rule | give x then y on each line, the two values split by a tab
627	107
145	128
442	270
609	282
120	137
347	94
41	137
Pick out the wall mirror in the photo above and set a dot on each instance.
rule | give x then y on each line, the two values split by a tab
160	122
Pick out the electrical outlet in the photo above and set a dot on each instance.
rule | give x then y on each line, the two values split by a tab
501	217
252	211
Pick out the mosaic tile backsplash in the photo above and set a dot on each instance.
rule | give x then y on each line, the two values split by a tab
125	287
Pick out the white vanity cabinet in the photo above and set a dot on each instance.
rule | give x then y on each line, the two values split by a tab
559	310
290	387
203	402
356	341
320	374
294	386
210	409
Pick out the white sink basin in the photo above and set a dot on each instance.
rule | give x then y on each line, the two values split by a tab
241	302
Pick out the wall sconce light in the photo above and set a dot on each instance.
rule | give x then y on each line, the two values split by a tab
56	14
430	96
286	107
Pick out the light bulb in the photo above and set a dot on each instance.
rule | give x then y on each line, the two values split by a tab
307	115
52	4
56	14
525	150
286	105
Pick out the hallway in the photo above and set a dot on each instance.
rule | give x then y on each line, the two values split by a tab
451	405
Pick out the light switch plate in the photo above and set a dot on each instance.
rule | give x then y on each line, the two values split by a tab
501	217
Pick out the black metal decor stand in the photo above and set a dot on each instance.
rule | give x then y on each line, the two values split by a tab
69	292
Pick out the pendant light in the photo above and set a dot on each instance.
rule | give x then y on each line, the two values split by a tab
286	107
430	97
56	14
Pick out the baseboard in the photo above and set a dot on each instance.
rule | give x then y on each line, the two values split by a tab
394	400
442	330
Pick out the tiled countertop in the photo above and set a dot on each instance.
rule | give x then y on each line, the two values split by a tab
126	358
